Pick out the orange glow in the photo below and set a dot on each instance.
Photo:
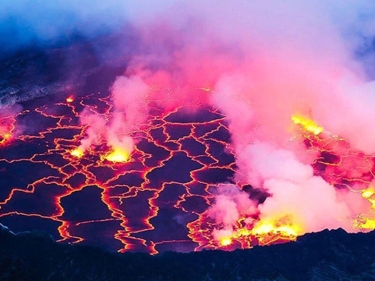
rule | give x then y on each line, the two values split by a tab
238	234
243	232
369	194
105	168
225	241
284	227
265	231
363	221
70	99
369	224
7	127
77	152
4	138
307	123
118	155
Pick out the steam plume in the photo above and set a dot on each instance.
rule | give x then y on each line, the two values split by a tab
266	62
129	96
263	62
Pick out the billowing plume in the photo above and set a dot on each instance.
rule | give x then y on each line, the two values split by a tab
295	191
259	63
130	109
264	63
312	73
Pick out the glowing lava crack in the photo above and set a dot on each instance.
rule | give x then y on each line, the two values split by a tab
105	196
152	199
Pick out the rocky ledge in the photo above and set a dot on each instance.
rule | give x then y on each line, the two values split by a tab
327	255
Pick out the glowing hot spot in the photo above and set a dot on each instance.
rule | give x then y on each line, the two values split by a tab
243	232
363	221
369	224
284	227
77	152
70	99
117	155
225	241
7	126
239	235
369	194
307	123
4	138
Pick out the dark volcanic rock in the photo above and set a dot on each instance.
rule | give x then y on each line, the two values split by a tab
328	255
63	68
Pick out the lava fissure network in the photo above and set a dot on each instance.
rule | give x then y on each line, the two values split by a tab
187	126
141	202
171	192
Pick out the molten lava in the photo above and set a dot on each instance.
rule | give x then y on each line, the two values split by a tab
341	166
225	241
144	204
157	199
283	227
6	129
78	152
369	194
5	137
307	124
367	221
70	99
118	155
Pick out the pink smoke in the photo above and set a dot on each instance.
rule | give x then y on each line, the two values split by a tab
130	111
8	127
96	129
262	63
230	205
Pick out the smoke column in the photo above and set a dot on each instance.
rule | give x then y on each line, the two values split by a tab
129	113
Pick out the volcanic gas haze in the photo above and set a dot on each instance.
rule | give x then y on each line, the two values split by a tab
292	84
268	65
283	74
